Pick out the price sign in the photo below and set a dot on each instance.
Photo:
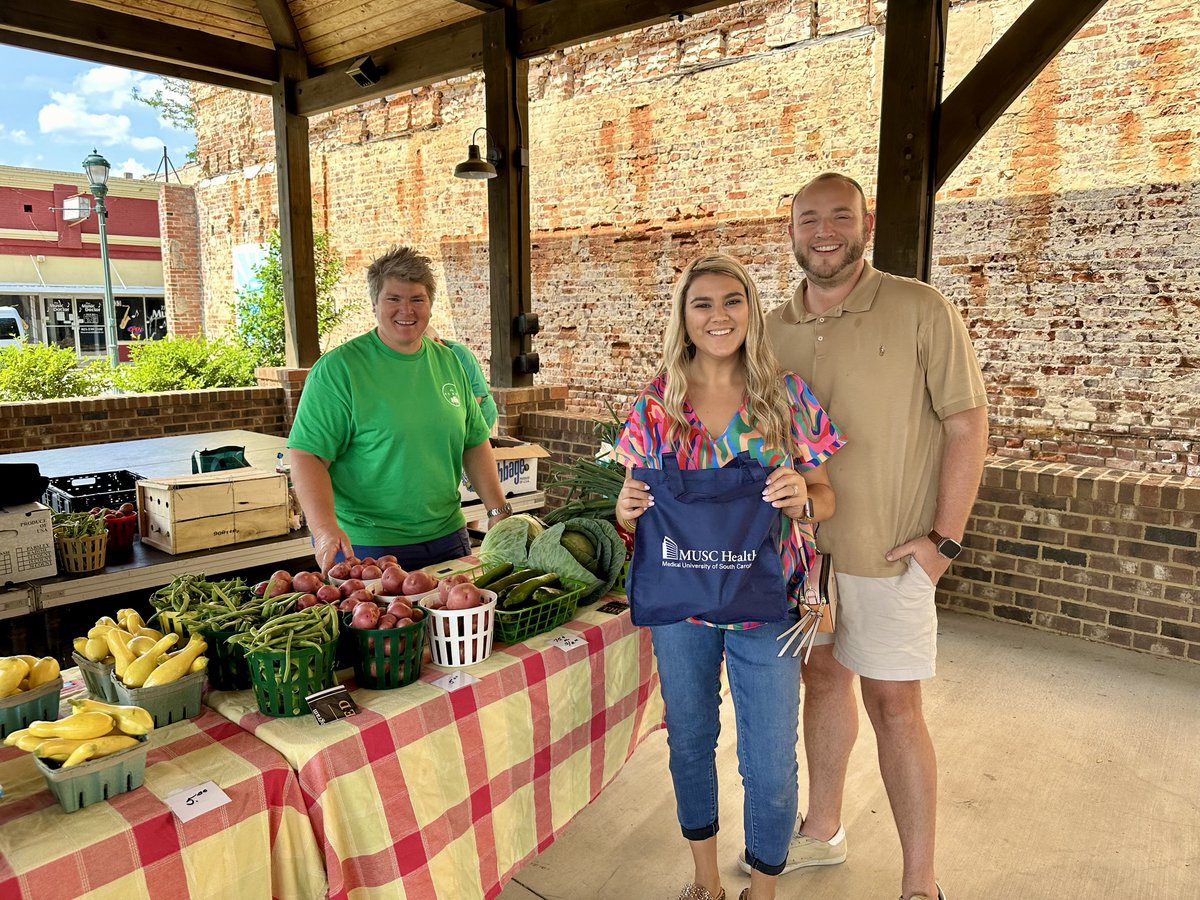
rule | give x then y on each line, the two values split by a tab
454	681
331	704
567	642
614	607
190	802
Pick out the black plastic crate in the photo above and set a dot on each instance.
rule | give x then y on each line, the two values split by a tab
79	493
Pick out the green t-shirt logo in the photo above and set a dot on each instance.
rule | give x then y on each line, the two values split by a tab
450	392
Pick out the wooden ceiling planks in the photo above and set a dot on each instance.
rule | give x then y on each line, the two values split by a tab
236	19
337	30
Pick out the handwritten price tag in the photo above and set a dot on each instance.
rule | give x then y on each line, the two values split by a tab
188	803
454	681
567	642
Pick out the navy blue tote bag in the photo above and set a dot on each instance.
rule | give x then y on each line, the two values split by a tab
708	547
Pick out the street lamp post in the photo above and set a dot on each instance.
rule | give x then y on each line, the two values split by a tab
96	168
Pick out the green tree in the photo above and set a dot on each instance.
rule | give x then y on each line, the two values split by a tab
259	325
185	364
176	106
46	372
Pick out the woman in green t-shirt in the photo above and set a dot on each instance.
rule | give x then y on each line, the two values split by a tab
386	426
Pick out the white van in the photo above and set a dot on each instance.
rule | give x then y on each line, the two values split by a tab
12	328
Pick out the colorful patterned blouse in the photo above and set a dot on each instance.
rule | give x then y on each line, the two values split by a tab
644	436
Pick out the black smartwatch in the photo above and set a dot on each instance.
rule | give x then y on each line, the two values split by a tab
947	548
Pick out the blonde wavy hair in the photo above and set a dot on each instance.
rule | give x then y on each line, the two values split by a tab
768	404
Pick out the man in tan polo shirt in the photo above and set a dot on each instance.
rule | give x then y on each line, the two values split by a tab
891	361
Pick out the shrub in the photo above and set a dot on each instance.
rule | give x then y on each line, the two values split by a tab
41	372
185	364
259	324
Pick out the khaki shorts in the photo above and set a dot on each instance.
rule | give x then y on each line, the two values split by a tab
887	627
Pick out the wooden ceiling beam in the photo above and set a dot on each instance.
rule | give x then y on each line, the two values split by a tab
484	5
85	29
1006	70
130	61
277	16
555	24
435	56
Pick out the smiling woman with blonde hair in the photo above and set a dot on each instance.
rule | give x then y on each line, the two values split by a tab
720	399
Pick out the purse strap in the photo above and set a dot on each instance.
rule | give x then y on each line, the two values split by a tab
756	473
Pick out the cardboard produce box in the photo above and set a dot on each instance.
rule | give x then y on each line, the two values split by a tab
213	509
517	464
26	543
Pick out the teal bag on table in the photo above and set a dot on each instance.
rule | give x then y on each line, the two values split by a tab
219	460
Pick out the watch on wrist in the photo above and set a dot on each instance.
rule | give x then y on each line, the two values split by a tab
947	548
808	508
505	510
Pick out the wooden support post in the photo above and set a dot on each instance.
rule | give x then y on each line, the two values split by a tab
913	61
294	185
506	101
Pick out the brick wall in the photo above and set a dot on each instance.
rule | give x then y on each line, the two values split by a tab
1067	238
1108	556
48	424
181	259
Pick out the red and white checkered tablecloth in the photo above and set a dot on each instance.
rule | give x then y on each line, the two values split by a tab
427	794
259	845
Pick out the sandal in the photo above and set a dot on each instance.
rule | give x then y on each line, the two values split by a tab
696	892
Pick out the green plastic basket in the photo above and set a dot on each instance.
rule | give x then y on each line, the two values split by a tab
387	657
167	703
514	626
619	586
227	667
98	779
281	693
98	678
37	705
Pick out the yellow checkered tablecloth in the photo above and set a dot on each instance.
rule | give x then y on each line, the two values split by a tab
261	844
426	794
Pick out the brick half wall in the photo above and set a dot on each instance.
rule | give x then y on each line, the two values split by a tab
49	424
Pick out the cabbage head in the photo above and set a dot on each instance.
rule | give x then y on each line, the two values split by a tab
509	539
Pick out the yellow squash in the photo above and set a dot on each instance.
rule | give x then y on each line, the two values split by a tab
147	631
178	665
118	646
82	753
96	649
43	671
139	670
12	671
132	720
14	736
80	645
79	727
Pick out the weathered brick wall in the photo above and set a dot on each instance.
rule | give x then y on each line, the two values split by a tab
48	424
1108	556
1067	238
181	259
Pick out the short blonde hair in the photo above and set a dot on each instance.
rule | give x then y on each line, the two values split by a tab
404	264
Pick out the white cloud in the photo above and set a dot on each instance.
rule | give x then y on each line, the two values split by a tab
112	88
130	165
146	143
14	136
68	113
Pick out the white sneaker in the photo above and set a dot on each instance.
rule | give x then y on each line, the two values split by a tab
804	851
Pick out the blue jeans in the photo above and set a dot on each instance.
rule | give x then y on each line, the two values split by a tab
766	703
417	556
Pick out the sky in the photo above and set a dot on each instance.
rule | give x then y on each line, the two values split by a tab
54	110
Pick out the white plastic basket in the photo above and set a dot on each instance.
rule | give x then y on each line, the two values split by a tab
462	637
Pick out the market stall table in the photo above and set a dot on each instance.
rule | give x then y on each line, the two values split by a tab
429	794
260	845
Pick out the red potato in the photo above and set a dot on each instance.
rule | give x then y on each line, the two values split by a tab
328	593
392	581
306	600
127	509
350	585
347	605
419	582
434	602
399	608
362	596
356	571
278	588
281	575
401	621
365	615
387	560
370	573
306	582
387	620
340	571
260	589
463	596
417	614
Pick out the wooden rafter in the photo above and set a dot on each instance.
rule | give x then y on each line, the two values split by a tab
277	16
563	23
88	32
483	5
1037	36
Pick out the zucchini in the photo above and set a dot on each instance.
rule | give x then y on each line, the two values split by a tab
522	593
514	579
495	573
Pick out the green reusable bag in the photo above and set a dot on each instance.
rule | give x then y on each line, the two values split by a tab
219	460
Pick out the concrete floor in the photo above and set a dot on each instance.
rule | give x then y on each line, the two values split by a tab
1066	770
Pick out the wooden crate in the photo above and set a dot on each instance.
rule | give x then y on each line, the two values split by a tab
214	509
